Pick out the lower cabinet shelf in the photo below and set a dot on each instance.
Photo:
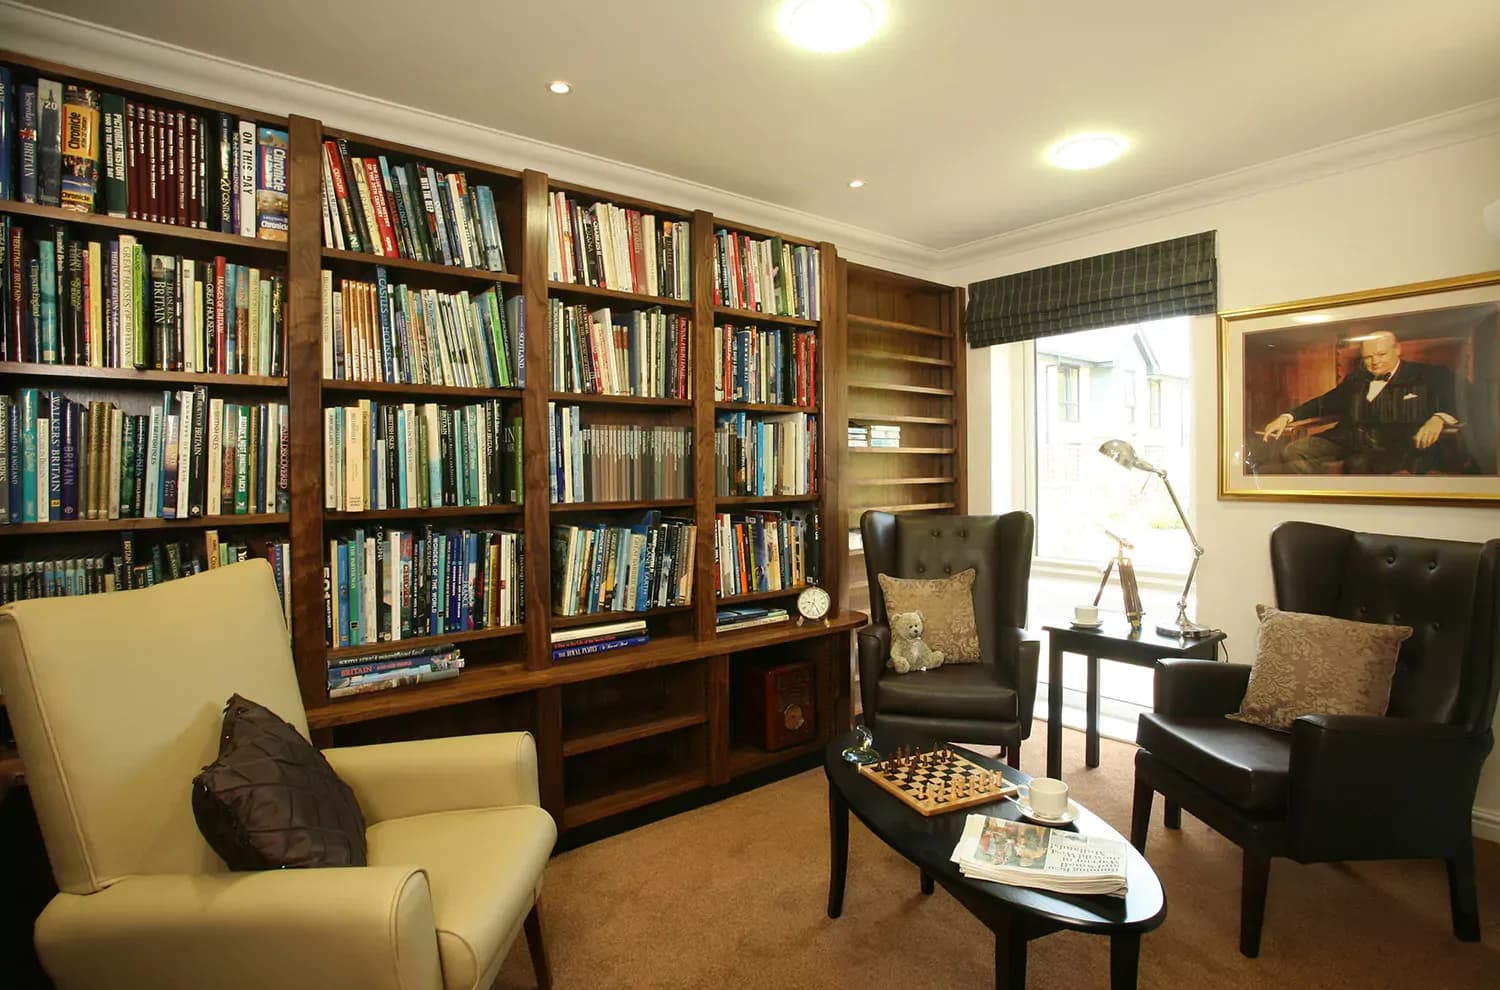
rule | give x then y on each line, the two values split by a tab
617	735
631	796
748	759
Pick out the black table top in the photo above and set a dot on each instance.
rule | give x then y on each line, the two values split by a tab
1116	632
930	841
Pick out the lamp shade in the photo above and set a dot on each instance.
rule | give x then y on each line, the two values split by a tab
1123	454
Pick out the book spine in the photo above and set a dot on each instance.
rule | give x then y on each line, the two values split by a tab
49	142
27	118
246	147
272	201
80	149
7	134
589	649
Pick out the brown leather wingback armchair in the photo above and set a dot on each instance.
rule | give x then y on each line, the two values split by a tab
1324	791
989	702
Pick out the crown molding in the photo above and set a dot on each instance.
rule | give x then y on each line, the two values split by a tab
71	41
1468	123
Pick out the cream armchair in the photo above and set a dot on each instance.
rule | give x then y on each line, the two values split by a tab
116	702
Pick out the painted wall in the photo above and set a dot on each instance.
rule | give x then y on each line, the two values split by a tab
1400	220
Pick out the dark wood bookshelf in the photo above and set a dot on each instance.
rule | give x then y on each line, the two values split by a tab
755	316
459	272
760	596
899	326
135	376
902	450
630	795
607	736
601	293
138	525
608	399
434	393
609	618
437	512
729	500
645	503
405	151
421	643
156	232
763	407
903	389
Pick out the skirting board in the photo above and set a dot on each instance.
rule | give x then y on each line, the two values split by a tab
1487	825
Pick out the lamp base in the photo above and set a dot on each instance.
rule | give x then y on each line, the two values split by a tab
1184	629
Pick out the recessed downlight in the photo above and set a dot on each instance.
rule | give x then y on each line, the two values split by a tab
1086	151
830	25
856	183
560	87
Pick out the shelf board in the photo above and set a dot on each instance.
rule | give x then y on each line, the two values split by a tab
753	316
424	156
646	503
903	481
426	392
422	642
880	355
77	374
439	512
148	228
748	759
423	267
763	499
911	507
604	618
877	418
596	292
136	525
763	407
904	389
475	683
898	326
629	798
618	400
758	596
616	735
902	450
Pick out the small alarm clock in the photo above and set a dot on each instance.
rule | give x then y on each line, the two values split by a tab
813	604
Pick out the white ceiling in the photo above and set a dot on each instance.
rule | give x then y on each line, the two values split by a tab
947	113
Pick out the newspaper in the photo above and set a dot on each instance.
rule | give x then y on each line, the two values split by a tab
1026	855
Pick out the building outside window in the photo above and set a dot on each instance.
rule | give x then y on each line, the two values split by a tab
1154	387
1068	376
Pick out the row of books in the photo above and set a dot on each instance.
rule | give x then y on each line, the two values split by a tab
766	365
589	640
393	584
72	146
765	455
187	456
380	332
116	304
398	668
623	568
641	353
765	551
617	247
139	565
408	210
603	463
748	617
875	435
420	456
767	275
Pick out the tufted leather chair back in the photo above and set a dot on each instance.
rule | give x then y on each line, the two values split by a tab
997	547
1444	589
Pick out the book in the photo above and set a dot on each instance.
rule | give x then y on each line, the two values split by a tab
7	134
80	149
619	567
28	124
49	142
272	202
607	630
1025	855
765	454
609	463
602	352
764	551
615	247
731	620
766	275
589	649
772	365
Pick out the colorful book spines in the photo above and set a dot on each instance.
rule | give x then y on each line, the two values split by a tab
619	353
765	455
610	463
766	365
767	275
617	247
632	567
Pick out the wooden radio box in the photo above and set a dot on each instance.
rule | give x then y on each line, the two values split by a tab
775	705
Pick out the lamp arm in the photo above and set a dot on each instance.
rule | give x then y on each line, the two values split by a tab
1197	549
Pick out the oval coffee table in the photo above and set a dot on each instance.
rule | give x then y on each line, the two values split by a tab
1015	914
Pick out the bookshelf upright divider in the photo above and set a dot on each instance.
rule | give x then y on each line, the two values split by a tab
704	328
535	424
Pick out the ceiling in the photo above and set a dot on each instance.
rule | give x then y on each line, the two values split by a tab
946	114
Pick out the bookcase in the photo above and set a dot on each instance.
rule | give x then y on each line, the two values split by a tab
615	730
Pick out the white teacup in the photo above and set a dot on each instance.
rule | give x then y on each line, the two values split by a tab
1085	615
1049	797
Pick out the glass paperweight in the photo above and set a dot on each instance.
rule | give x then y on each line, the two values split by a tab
863	751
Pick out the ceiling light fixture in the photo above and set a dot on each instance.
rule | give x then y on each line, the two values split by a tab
856	183
830	25
1087	151
560	87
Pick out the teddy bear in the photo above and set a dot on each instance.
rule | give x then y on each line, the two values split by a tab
908	652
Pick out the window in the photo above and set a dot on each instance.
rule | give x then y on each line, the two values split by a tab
1127	395
1067	392
1154	388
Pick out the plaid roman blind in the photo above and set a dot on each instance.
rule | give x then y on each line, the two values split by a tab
1152	282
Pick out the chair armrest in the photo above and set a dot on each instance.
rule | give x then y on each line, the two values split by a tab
874	643
397	780
1199	687
367	927
1347	769
1028	659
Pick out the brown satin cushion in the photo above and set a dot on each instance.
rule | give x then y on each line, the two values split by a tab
1319	665
947	607
271	800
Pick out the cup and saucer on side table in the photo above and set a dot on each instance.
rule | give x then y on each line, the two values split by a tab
1046	802
1086	617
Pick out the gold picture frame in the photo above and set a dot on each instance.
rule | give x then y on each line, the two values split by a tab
1388	395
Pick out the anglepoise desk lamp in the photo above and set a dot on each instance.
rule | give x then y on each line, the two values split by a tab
1124	454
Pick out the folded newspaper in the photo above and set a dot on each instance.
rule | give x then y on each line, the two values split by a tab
1033	856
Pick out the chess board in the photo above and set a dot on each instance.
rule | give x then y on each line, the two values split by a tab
938	781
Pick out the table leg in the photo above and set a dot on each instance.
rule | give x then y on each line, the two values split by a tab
1124	961
838	849
1091	747
1010	955
928	885
1054	710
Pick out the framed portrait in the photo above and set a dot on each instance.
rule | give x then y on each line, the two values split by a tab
1391	395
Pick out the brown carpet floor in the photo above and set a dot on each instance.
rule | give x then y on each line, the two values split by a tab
735	895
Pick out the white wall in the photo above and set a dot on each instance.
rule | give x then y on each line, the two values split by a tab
1399	220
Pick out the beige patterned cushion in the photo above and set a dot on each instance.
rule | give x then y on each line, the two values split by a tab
1319	665
947	608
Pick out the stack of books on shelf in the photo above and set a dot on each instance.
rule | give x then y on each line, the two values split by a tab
735	619
394	584
380	332
88	151
588	640
188	456
616	463
765	455
138	565
633	353
116	304
861	435
617	247
766	275
420	456
629	567
765	551
408	210
773	366
398	668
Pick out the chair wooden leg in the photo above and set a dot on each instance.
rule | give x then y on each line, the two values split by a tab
1013	756
1463	893
1255	876
1171	815
1140	814
927	883
538	948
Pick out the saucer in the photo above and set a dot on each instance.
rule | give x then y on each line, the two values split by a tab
1086	625
1067	817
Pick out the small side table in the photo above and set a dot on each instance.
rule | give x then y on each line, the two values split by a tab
1112	641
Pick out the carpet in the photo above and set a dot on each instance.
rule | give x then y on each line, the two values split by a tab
734	894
